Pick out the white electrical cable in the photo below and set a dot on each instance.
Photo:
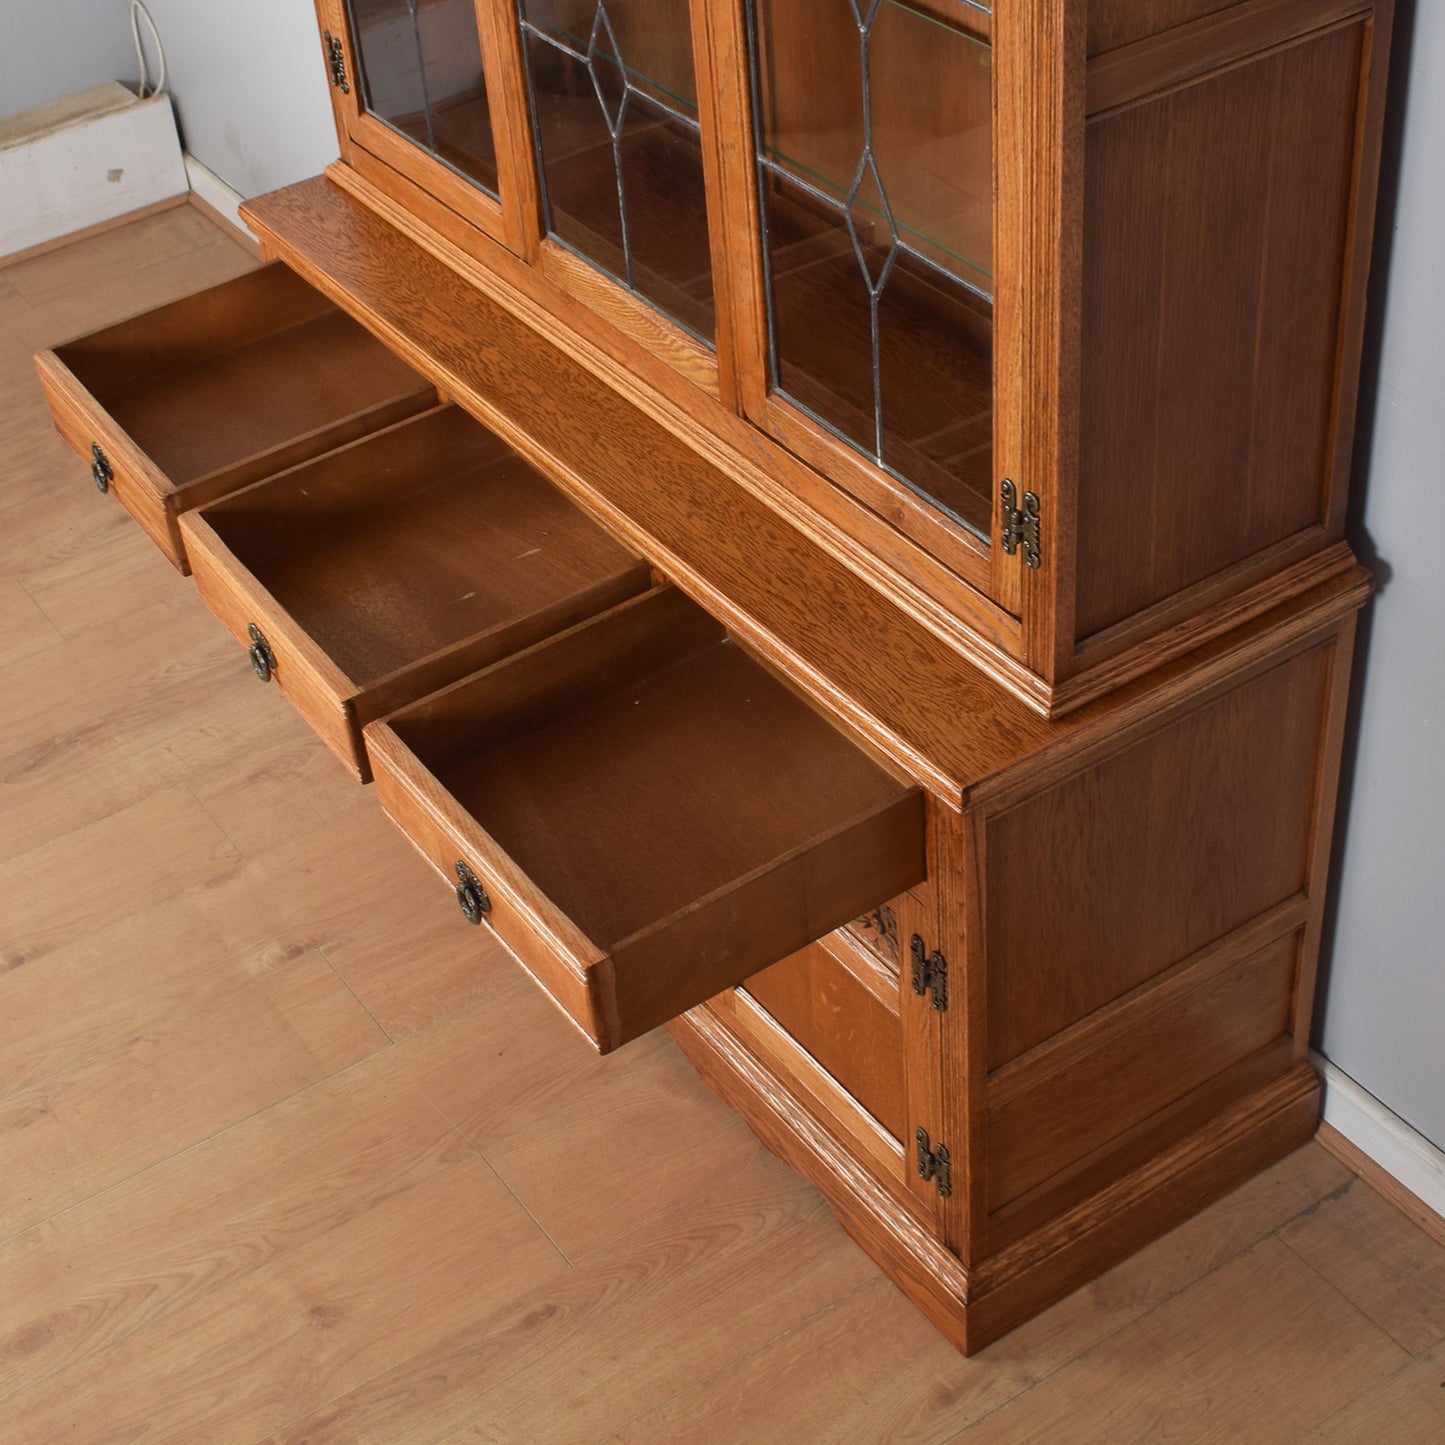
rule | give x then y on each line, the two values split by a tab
137	9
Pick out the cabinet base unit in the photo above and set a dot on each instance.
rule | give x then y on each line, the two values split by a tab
1092	1020
975	1306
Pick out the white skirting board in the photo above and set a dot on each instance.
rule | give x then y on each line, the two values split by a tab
1399	1150
207	186
84	160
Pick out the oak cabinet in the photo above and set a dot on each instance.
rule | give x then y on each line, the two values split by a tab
1059	308
928	698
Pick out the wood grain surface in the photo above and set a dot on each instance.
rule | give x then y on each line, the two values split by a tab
287	1157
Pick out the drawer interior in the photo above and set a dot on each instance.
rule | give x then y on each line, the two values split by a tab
628	797
237	371
683	816
415	540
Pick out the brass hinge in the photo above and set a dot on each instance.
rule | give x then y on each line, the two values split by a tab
934	1164
336	59
930	972
1020	524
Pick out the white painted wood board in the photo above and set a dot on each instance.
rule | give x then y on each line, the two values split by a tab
84	160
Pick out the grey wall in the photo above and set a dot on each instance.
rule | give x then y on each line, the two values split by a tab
247	80
54	48
249	88
1384	999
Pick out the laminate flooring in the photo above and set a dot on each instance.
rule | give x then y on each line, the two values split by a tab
287	1154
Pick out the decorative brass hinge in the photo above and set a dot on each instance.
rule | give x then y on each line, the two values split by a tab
1020	524
934	1164
930	972
336	59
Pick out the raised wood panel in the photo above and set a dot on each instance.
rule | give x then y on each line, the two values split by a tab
842	1024
1117	22
1118	871
1216	223
1061	1107
1228	37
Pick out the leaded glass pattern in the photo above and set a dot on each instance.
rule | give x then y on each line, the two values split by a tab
619	150
421	74
875	173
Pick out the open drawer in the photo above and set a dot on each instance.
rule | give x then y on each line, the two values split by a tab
388	568
185	403
644	813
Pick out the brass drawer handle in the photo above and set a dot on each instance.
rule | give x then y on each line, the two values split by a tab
471	896
263	660
100	467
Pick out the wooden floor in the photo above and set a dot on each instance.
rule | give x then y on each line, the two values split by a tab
289	1153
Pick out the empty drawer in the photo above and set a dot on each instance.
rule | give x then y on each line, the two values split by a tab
187	402
644	813
379	572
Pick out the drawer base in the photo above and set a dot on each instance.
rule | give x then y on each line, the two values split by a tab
975	1305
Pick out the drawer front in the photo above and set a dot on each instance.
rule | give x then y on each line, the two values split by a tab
121	469
560	965
652	816
280	651
204	395
386	569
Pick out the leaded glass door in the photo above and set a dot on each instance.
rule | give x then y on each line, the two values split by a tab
615	114
872	149
420	77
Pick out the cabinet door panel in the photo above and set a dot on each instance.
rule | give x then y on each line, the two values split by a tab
874	152
420	69
619	146
422	86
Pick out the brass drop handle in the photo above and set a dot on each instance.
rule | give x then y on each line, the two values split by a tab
263	660
471	896
100	467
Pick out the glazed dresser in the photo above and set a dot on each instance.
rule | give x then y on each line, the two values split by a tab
824	521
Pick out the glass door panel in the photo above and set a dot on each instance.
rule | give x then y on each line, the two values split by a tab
421	75
874	151
614	111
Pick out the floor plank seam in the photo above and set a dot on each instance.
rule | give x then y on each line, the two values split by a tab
524	1207
1316	1205
19	580
220	1133
748	1354
1405	1366
1354	1304
341	978
1132	1321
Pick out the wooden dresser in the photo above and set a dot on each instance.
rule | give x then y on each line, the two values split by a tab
823	520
